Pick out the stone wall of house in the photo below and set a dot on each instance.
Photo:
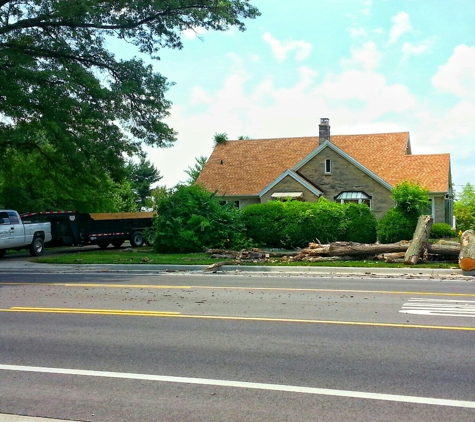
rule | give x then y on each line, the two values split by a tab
346	177
439	209
289	184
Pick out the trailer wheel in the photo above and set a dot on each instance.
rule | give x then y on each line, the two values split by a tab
117	243
37	247
2	252
103	244
150	238
136	239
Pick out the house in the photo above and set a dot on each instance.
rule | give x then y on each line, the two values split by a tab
341	168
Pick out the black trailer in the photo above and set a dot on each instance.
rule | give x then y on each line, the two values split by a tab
69	228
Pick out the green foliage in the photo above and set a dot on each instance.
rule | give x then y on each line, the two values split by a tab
68	105
194	172
411	198
29	183
360	224
243	138
294	224
396	225
191	219
142	176
220	138
441	230
464	209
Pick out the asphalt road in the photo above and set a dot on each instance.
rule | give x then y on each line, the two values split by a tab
105	347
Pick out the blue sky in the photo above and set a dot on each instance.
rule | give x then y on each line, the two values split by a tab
370	66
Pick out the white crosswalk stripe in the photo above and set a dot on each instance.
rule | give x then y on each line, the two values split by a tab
439	307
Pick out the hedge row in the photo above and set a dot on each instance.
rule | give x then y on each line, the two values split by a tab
295	224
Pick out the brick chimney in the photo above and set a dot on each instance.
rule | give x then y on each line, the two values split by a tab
324	130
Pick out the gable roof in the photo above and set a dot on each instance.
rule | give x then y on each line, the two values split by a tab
246	167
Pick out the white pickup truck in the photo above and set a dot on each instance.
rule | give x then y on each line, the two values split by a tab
14	234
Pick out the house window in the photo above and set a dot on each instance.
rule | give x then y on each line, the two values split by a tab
357	197
328	166
287	196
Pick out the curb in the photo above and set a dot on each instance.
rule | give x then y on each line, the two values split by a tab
26	266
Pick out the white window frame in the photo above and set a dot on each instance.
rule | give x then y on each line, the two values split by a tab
328	166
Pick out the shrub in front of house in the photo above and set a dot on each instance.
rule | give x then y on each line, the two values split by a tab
396	225
294	224
360	224
441	231
190	219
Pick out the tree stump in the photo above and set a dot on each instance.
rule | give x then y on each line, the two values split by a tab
467	251
419	241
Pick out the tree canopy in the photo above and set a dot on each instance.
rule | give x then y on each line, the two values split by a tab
464	208
195	171
65	98
142	176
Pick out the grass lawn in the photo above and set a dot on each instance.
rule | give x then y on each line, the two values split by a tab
145	255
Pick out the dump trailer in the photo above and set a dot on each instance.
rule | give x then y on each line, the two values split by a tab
69	228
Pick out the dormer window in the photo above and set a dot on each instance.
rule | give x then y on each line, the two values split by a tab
328	166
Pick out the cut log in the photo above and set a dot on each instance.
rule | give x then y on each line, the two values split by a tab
467	251
391	257
419	241
447	249
350	248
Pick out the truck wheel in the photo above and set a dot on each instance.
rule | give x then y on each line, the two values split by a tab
103	245
2	252
136	239
37	246
117	243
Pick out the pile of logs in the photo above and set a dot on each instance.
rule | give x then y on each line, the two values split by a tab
411	253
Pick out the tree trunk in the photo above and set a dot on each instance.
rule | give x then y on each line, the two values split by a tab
349	248
450	249
419	241
467	251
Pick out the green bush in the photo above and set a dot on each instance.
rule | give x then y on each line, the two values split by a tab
441	230
294	224
411	198
191	219
396	225
360	225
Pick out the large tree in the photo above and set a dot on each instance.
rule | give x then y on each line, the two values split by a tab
142	176
464	208
64	96
195	171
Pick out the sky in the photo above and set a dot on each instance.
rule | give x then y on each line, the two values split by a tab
370	66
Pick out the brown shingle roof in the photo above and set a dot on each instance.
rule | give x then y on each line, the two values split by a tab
246	167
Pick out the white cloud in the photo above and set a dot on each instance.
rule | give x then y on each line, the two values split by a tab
410	49
366	57
401	25
200	96
457	76
193	33
356	32
281	49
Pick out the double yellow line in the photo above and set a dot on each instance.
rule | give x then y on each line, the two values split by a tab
227	318
90	311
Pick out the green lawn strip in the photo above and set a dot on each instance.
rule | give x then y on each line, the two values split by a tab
147	256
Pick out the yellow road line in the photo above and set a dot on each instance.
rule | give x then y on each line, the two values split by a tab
228	318
90	311
277	289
